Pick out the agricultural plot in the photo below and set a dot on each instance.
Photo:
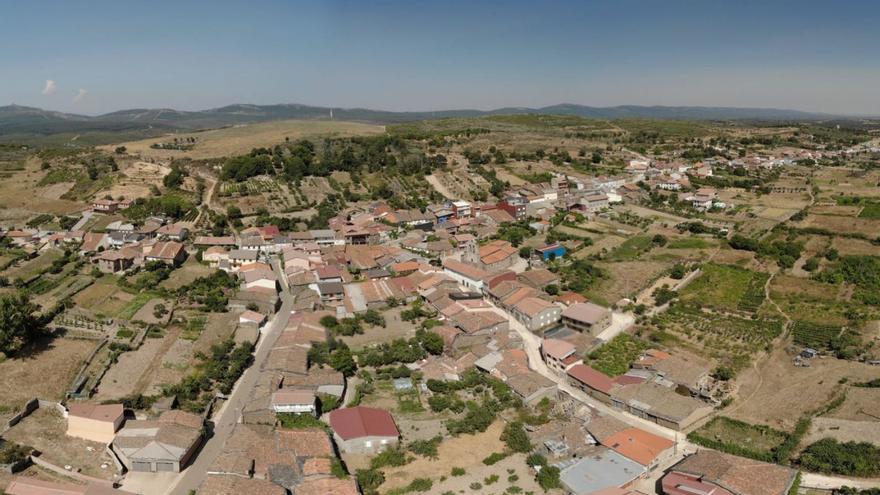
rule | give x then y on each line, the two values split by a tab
727	287
738	437
729	339
615	357
631	248
814	335
30	268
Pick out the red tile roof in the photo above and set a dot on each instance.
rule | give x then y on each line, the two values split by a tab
360	421
591	378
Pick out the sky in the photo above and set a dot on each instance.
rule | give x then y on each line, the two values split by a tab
98	56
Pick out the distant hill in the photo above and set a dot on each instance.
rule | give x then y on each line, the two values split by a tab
16	119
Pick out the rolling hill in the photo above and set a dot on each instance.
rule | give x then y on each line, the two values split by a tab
21	120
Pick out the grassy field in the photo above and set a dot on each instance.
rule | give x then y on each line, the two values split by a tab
29	268
186	274
726	287
237	140
690	243
631	248
135	305
759	439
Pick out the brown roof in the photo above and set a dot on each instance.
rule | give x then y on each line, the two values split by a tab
106	412
738	474
360	421
166	250
539	277
470	271
221	484
591	378
556	348
585	312
533	306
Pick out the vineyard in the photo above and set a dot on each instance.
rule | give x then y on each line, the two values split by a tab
814	335
728	338
256	185
727	288
753	297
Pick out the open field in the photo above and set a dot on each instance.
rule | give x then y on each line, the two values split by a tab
861	404
23	378
27	269
627	279
468	452
45	429
847	246
21	197
811	301
395	329
846	225
745	436
777	393
240	139
186	274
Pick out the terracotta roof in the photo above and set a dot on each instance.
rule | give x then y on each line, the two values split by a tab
533	306
360	421
470	271
591	378
556	348
638	445
236	485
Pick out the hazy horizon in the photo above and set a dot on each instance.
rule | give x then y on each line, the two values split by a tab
109	56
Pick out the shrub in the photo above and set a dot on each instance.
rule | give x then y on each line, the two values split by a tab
458	471
490	479
514	435
494	458
548	478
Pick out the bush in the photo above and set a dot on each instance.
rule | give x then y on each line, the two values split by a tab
494	457
458	471
514	435
426	448
849	458
369	480
548	478
390	457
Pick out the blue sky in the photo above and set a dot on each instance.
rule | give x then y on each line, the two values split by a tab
109	55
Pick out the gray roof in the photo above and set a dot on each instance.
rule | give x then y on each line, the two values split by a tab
243	254
605	469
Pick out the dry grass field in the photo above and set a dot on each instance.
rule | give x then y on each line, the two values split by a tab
846	225
776	393
237	140
24	378
627	279
21	197
468	452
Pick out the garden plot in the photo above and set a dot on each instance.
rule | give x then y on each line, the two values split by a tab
627	279
727	288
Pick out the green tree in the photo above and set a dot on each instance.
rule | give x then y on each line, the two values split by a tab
19	322
342	361
548	478
514	435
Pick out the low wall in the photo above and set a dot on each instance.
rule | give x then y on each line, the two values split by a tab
31	406
71	474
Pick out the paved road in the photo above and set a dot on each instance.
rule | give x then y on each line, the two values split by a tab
82	221
226	418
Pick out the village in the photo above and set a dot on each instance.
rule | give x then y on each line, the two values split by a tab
461	347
